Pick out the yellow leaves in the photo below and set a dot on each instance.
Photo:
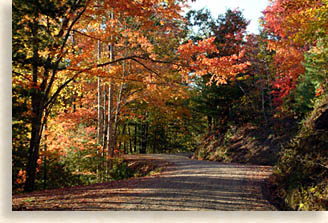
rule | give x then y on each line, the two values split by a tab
95	26
301	206
245	77
44	53
300	21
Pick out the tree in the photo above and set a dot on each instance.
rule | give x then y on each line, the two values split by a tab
40	41
45	60
296	26
219	59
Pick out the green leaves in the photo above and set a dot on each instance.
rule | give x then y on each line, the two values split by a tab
301	173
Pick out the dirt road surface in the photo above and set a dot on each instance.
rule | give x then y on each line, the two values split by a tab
184	185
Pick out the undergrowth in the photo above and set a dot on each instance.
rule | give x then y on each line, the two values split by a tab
301	176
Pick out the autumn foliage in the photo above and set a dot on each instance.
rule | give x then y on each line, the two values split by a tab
201	60
125	52
93	80
297	25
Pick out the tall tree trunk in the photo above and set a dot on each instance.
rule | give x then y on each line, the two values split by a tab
100	106
144	138
37	111
124	141
135	137
263	102
118	106
210	123
270	95
45	157
130	139
73	96
111	143
100	126
110	120
109	127
33	153
105	136
142	149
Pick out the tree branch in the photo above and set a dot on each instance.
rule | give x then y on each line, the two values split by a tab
72	24
53	97
102	65
55	69
146	67
157	61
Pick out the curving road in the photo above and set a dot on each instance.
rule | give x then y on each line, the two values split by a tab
187	185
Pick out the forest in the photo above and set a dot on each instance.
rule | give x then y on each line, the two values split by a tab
95	80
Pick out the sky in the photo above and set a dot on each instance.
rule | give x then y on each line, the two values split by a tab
251	9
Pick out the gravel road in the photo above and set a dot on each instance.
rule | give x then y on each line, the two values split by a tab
188	185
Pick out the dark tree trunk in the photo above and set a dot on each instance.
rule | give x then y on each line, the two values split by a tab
124	141
135	137
40	92
45	158
130	140
146	136
33	152
263	102
37	111
210	122
143	139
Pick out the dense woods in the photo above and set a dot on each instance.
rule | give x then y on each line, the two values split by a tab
93	80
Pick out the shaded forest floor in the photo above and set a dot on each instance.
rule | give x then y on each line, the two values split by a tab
182	184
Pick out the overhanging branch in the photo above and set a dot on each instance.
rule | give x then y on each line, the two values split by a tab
134	58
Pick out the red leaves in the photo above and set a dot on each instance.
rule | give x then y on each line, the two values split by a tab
200	59
202	47
288	62
319	91
291	20
296	20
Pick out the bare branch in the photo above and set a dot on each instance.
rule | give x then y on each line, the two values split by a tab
146	67
72	24
157	61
